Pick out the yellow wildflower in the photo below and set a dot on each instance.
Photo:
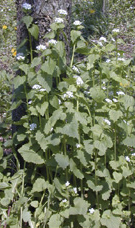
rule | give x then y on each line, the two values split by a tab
124	84
92	11
15	28
14	53
4	27
13	50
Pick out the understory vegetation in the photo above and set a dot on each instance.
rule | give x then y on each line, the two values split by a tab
71	162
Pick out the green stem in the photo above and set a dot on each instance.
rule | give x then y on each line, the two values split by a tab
31	51
115	152
65	153
97	201
72	59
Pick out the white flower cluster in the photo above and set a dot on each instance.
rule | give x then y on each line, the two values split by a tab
77	22
127	159
64	201
38	87
91	210
68	94
120	93
26	6
108	100
107	121
67	183
78	145
108	60
115	30
115	100
75	190
20	57
103	39
121	59
33	126
41	47
62	12
59	20
79	81
52	42
75	69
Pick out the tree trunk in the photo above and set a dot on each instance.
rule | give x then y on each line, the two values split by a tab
43	12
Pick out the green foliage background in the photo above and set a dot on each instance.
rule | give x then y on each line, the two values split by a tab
76	140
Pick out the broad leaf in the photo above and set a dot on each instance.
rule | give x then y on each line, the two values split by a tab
62	160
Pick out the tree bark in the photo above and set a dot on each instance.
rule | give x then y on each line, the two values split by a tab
43	12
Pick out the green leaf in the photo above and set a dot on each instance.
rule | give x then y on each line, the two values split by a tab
27	21
92	58
88	146
75	35
3	185
74	169
26	215
55	221
97	94
41	140
60	47
129	141
36	61
42	107
54	101
49	66
101	147
62	160
115	115
117	176
29	155
34	31
53	139
34	203
95	188
24	68
19	80
40	185
46	81
70	129
81	157
109	220
80	207
96	130
128	101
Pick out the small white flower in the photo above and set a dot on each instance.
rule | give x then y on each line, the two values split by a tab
4	114
115	100
133	154
33	126
77	22
52	42
103	39
42	90
125	122
108	60
36	86
104	88
41	47
51	129
26	6
64	201
108	100
29	102
75	69
75	190
107	121
120	93
127	159
121	59
20	57
115	30
79	81
67	183
59	20
91	210
113	39
100	43
59	101
62	12
68	94
78	145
